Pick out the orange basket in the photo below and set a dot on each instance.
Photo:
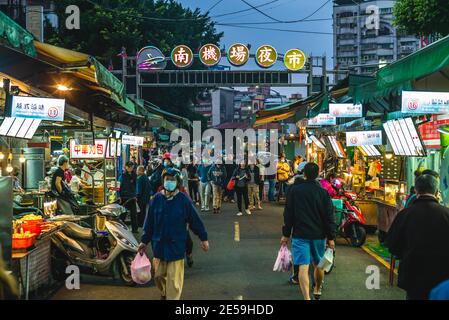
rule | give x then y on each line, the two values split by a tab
23	243
32	226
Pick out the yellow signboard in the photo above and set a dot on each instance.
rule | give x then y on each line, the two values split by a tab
182	56
238	54
294	59
210	54
266	56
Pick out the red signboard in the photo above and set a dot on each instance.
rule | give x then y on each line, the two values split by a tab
429	131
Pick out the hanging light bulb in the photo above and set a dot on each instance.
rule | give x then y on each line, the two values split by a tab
9	167
22	158
2	156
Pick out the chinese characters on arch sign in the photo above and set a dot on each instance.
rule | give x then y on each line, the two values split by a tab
238	54
182	56
210	55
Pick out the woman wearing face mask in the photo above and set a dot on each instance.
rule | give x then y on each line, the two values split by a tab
171	213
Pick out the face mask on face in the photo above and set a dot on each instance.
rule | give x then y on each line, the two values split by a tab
170	186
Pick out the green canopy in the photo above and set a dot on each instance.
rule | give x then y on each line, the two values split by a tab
400	75
15	36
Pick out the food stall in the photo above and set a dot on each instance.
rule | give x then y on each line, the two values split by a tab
98	162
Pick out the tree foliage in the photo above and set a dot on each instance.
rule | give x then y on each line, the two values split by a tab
422	17
109	25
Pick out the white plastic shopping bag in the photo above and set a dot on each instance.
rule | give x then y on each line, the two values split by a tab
141	269
327	261
283	261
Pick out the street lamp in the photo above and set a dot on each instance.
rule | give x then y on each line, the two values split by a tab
62	87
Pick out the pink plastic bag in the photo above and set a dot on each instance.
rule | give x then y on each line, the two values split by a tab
284	260
141	269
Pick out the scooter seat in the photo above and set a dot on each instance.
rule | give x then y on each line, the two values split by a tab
76	231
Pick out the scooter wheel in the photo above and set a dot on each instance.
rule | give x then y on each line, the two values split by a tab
358	235
123	268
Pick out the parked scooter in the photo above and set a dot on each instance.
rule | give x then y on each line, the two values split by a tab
107	249
351	224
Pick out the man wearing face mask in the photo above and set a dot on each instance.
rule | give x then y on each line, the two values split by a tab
171	213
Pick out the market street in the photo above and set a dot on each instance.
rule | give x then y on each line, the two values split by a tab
243	270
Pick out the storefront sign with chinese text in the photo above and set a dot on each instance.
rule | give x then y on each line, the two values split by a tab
423	102
83	151
364	138
345	110
294	59
210	55
182	56
323	119
238	54
132	140
151	58
266	56
37	108
429	133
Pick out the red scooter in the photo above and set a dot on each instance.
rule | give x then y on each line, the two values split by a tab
351	224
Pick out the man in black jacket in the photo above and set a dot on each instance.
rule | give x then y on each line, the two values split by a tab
128	194
309	219
418	237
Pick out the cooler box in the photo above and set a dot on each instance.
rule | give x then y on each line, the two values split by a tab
338	205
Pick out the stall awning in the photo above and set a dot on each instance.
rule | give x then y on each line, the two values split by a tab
296	110
407	73
13	35
159	111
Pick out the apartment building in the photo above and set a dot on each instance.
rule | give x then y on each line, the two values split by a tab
365	38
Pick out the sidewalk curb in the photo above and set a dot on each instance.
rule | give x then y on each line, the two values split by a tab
378	258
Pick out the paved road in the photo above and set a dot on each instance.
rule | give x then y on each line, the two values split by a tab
243	270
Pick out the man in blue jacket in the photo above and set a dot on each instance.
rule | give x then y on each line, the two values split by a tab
217	176
205	187
171	211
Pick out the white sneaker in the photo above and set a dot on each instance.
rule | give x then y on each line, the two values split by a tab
247	211
260	208
240	214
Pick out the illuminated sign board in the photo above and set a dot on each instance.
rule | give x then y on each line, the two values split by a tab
151	58
266	56
182	56
345	110
37	108
363	138
294	59
323	119
238	54
210	55
423	102
132	140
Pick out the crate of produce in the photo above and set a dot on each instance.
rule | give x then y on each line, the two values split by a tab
23	240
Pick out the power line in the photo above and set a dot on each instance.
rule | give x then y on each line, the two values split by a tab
244	10
216	4
274	29
260	11
287	21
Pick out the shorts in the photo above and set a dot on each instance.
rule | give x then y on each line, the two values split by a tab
305	251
